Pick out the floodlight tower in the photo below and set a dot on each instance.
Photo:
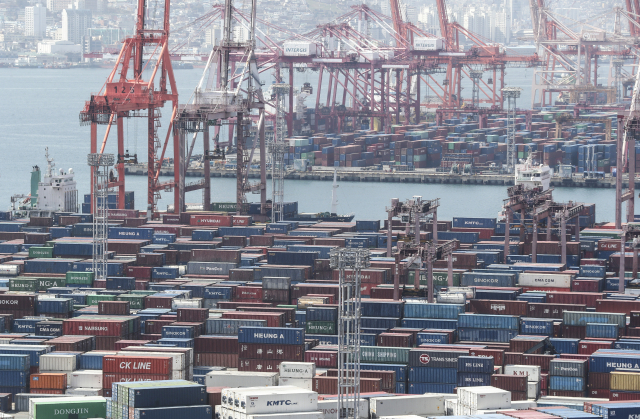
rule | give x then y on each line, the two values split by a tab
100	164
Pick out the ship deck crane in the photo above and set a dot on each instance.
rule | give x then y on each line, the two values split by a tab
129	95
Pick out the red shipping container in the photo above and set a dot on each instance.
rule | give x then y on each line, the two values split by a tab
216	220
139	272
258	365
119	308
587	347
388	378
137	364
598	393
575	332
599	380
215	255
289	313
587	298
509	382
624	395
617	306
106	343
402	340
52	381
216	344
329	385
586	285
158	302
109	378
103	327
322	359
248	293
150	259
501	307
271	351
565	393
45	391
154	327
242	220
193	314
553	311
216	360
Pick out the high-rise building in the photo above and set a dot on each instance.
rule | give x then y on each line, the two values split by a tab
57	5
35	21
75	24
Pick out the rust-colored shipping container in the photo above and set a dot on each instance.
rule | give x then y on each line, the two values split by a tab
258	365
216	344
276	296
509	382
587	298
271	351
273	319
68	343
118	308
587	347
517	396
574	332
193	314
522	344
123	364
566	393
102	327
624	395
586	285
617	306
248	293
50	380
598	393
139	272
214	396
289	312
329	385
552	311
232	305
403	340
240	241
216	255
154	327
150	259
500	307
106	343
215	220
110	378
599	380
158	302
216	360
322	359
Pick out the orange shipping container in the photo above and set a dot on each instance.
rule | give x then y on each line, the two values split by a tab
50	380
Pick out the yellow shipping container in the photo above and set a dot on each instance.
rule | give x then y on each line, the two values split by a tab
625	381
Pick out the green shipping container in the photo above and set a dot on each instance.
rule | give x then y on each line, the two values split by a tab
46	283
80	278
223	206
384	354
41	252
439	279
93	300
136	302
23	284
69	407
321	328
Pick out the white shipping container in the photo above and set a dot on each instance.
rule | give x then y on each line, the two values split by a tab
9	270
533	390
237	398
484	397
86	379
240	379
80	391
295	415
329	408
523	404
531	371
279	402
297	369
450	407
303	383
299	49
428	44
425	404
57	362
177	303
550	280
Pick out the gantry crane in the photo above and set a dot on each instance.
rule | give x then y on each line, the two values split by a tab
128	95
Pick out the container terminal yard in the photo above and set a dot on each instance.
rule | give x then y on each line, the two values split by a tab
252	310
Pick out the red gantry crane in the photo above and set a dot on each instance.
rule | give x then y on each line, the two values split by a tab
126	94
